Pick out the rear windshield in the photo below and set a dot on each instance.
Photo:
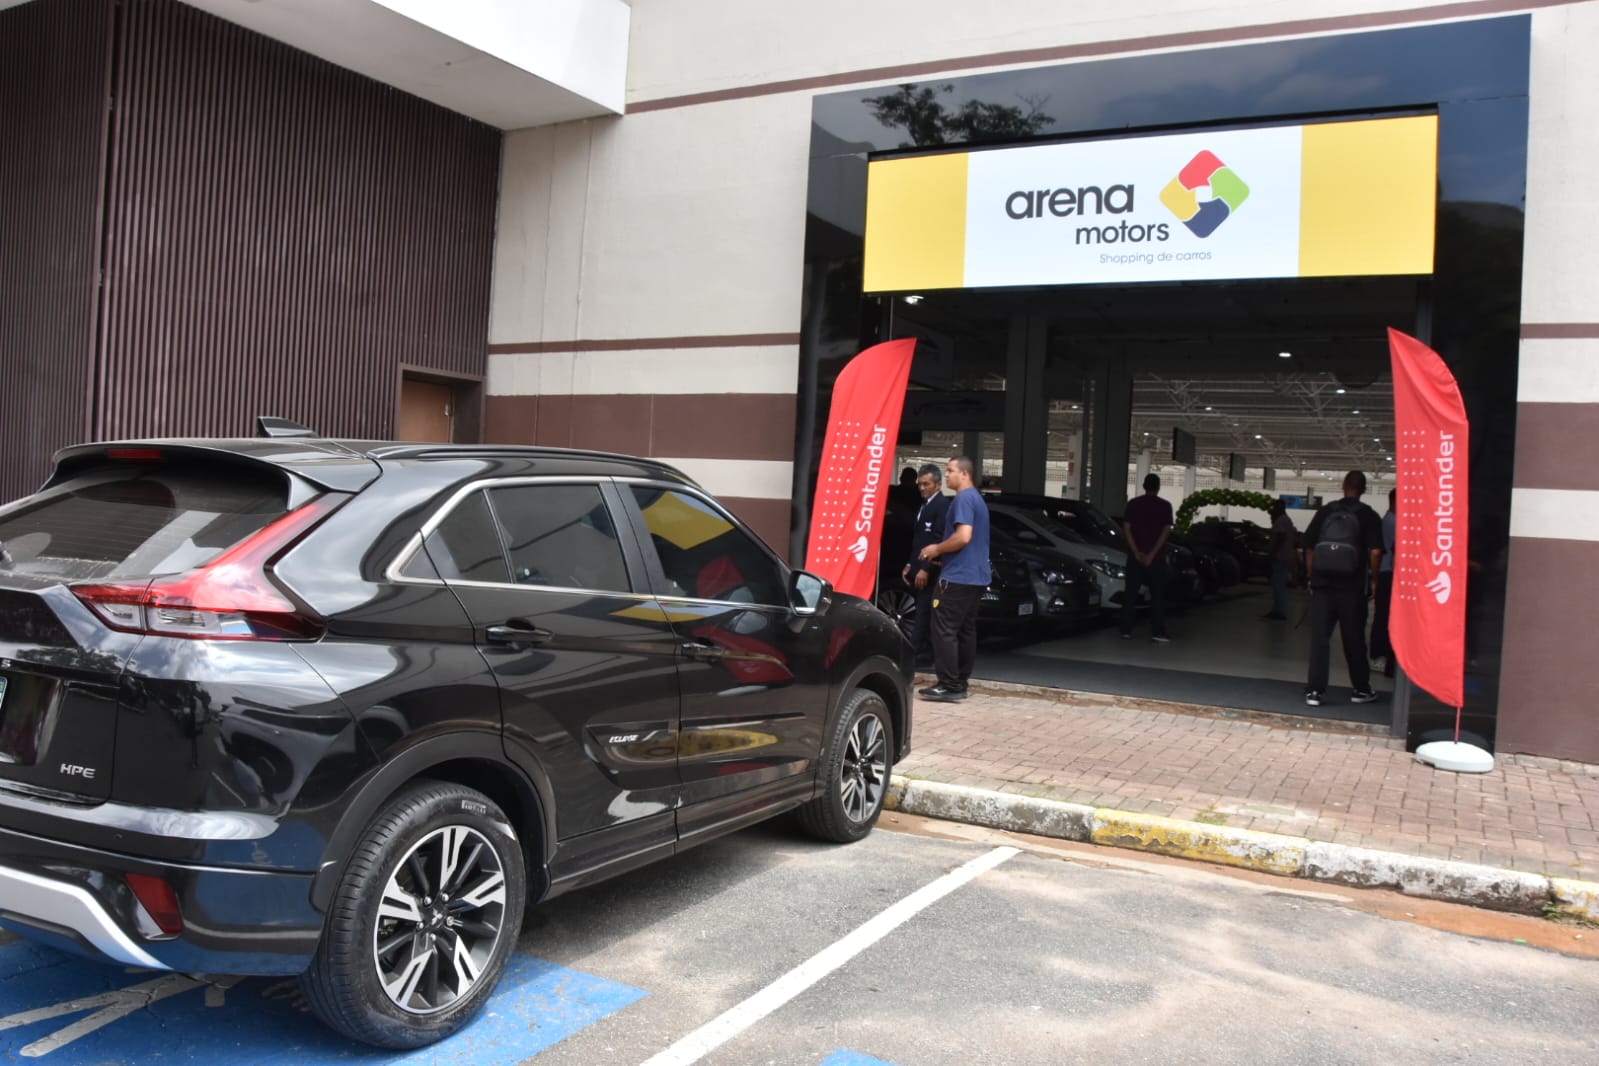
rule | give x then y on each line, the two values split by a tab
137	521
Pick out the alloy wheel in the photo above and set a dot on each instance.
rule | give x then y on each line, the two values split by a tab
900	606
864	773
440	920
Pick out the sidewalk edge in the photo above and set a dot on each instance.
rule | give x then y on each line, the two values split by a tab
1273	853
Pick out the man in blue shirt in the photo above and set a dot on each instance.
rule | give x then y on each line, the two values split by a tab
964	552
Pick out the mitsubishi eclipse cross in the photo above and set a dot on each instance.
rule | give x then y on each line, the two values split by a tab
342	709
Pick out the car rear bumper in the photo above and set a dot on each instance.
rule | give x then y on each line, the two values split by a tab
234	921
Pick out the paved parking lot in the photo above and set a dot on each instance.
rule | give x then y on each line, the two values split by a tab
902	950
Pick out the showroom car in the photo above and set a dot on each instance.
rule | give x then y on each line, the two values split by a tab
342	709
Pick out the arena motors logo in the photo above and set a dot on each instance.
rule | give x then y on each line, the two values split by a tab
1204	194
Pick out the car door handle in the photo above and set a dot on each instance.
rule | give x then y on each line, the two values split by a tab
703	652
518	632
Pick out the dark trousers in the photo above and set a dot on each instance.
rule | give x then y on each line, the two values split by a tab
1279	586
922	623
955	632
1138	575
1380	647
1342	605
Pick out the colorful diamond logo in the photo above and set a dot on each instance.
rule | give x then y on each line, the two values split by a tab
1204	194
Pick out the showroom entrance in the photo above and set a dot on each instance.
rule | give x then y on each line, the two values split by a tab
1074	393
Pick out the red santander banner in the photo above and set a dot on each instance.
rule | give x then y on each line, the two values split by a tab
858	467
1427	623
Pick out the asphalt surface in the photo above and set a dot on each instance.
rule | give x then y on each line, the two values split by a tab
1056	953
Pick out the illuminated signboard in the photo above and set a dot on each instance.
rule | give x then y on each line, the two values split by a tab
1332	199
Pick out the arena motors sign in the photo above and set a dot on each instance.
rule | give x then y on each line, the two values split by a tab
1337	198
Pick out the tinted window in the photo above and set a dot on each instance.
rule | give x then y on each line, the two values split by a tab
560	535
466	546
138	522
704	555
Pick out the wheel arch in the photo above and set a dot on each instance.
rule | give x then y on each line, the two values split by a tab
475	760
881	675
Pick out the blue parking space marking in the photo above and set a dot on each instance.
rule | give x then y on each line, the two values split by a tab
842	1057
57	1008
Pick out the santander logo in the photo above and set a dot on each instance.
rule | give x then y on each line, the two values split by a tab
1440	587
860	549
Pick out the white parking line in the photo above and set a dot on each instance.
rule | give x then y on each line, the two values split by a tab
735	1020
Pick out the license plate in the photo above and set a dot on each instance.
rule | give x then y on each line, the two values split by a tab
1024	608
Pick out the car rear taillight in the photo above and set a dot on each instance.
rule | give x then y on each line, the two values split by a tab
158	900
229	598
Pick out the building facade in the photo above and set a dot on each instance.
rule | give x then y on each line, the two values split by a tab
677	227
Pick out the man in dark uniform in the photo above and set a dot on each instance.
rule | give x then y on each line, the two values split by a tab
1342	557
922	575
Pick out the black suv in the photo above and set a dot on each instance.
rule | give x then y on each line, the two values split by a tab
342	709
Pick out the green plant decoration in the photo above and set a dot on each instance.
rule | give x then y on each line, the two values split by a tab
1219	498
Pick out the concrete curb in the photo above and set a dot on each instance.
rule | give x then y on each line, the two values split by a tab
1273	853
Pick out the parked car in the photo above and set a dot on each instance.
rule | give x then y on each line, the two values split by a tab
1030	525
1065	591
1247	543
341	709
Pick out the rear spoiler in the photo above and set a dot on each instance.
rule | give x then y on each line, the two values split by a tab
325	464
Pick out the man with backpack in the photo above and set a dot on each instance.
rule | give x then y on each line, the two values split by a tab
1344	552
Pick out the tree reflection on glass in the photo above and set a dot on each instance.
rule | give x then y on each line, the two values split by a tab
919	111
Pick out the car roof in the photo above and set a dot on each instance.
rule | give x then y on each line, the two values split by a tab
348	465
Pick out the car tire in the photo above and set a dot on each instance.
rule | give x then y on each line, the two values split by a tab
402	964
855	769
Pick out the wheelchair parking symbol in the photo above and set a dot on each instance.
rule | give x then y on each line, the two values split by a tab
60	1009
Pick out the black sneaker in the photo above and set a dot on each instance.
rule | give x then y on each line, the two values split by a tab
1313	698
940	694
1365	695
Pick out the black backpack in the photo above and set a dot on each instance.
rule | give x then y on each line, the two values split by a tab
1338	551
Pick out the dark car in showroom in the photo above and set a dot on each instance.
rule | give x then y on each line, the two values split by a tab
342	709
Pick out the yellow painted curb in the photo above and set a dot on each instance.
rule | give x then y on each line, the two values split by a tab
1579	899
1245	848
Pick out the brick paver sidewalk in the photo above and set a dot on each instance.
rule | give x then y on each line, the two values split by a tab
1273	773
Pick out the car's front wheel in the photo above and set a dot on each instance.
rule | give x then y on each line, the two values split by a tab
424	920
855	769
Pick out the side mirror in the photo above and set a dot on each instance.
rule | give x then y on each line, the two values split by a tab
808	594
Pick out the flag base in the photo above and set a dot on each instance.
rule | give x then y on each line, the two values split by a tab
1453	755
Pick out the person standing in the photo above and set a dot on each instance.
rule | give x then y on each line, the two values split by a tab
1282	551
1146	525
1382	651
920	576
1344	544
964	553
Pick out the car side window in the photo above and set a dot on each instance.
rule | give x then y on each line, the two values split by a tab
704	555
560	536
466	546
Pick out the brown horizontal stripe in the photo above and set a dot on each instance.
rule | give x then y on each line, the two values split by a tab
643	344
719	426
768	518
1550	672
1559	331
1090	50
1557	446
730	426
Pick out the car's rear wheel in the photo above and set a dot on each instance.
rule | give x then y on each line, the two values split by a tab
855	769
424	920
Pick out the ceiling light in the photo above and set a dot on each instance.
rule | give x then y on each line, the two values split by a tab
1285	355
1257	436
1207	408
1339	391
1356	411
1376	440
